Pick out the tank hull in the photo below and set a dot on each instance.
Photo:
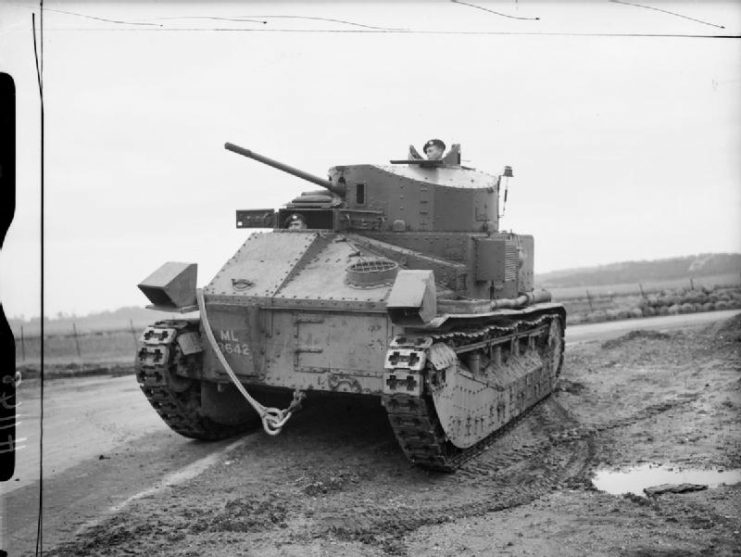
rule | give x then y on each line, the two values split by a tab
447	389
398	286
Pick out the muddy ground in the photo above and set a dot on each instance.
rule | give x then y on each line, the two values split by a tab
335	482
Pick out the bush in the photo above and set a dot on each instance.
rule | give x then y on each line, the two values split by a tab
667	302
648	311
693	298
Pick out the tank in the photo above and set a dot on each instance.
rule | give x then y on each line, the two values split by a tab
391	281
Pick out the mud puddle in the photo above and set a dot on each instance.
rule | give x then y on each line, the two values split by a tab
635	480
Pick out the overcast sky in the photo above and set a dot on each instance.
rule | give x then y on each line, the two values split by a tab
625	145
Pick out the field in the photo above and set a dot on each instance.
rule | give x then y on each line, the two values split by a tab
669	297
636	289
73	355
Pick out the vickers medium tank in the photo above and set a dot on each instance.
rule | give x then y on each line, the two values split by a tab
392	282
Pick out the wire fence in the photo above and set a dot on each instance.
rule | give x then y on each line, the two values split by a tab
645	288
605	306
76	346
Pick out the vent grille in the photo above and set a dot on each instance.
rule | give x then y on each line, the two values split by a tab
511	262
372	272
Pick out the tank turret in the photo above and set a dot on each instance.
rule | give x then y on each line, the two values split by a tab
392	281
407	196
433	214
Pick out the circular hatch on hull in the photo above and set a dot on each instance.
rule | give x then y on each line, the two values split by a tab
368	272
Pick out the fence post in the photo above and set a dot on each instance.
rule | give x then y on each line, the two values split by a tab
643	294
133	332
589	300
692	284
77	342
23	346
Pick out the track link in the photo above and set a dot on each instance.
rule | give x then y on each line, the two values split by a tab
418	432
177	399
415	421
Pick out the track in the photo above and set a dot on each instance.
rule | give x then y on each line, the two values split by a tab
416	419
177	399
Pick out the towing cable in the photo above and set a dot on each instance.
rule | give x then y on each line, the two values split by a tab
273	419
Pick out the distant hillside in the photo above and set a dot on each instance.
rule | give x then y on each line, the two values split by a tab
690	266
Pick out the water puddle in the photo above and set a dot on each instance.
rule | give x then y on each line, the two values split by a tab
635	480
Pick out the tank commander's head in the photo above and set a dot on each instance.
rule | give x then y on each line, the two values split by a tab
434	149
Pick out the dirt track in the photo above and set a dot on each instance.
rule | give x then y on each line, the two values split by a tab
335	483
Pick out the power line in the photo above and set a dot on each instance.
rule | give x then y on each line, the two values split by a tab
664	11
495	13
216	18
96	18
299	17
246	19
375	29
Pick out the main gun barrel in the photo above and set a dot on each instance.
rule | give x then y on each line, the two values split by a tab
334	188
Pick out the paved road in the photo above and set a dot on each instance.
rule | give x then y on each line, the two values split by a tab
103	443
612	329
84	417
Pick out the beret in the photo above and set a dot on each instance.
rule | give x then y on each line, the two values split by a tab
432	142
